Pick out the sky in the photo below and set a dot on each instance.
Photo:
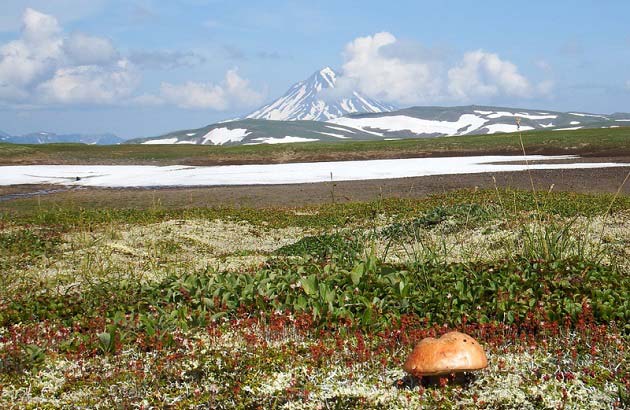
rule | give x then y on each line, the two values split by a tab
141	68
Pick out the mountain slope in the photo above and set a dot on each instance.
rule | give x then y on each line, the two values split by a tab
441	121
415	122
252	132
4	137
51	138
313	100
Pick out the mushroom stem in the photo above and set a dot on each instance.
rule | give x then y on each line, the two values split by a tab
410	382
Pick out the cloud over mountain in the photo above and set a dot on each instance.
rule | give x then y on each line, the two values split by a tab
482	74
389	77
233	92
384	67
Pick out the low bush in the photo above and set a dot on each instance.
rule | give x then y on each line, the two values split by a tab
372	294
340	247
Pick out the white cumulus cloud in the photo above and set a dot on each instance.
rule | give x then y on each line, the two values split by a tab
90	84
85	50
232	93
385	76
64	10
482	74
35	54
46	66
386	68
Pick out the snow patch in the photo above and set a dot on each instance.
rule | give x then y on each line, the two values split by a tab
220	136
346	130
574	122
522	115
568	129
165	141
588	115
117	176
494	128
333	135
285	140
415	125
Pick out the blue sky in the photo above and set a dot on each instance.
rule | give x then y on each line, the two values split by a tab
145	67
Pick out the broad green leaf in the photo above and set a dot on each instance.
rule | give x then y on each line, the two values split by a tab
309	284
357	273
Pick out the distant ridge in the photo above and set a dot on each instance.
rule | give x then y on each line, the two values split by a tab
414	122
51	138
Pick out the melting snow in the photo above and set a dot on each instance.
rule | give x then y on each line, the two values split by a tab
285	140
164	141
153	176
522	115
329	75
416	125
346	130
568	129
333	135
588	115
220	136
494	128
574	122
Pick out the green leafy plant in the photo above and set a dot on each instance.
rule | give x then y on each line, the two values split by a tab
342	247
106	343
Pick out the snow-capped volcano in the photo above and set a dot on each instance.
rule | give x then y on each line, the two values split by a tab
308	100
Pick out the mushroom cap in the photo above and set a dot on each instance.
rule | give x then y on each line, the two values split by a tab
453	352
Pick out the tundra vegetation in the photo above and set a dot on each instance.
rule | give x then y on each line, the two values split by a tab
316	307
608	142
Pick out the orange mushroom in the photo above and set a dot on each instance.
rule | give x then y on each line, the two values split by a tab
454	352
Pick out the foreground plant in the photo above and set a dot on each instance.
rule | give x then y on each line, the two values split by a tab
321	311
285	362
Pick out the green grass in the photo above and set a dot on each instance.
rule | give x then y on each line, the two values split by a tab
602	141
69	215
